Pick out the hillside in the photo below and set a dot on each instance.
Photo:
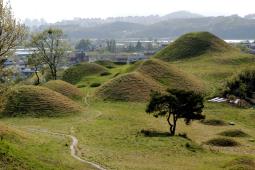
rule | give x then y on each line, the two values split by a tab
192	45
64	88
170	27
75	73
37	101
133	87
170	76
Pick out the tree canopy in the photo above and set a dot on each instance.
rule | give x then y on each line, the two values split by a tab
176	104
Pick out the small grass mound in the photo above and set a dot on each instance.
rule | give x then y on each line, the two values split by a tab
214	122
234	133
36	101
170	76
129	87
223	142
244	163
74	74
192	45
64	88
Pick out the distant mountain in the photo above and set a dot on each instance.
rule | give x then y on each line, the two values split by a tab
250	16
181	15
170	26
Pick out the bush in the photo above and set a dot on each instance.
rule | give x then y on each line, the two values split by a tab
81	85
224	142
105	73
242	85
234	133
214	122
95	85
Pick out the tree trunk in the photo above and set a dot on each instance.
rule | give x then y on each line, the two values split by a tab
172	126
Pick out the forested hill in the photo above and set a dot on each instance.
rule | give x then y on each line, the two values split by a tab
230	27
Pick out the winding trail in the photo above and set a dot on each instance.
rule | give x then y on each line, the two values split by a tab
73	147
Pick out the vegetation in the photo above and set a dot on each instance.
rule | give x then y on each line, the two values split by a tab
95	85
35	62
242	85
224	142
75	74
247	163
234	133
193	45
36	101
64	88
175	105
83	45
133	87
50	48
214	122
170	76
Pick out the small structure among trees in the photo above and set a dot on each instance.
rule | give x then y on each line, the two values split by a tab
176	104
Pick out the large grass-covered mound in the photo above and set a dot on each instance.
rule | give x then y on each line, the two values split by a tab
64	88
37	101
74	74
192	45
170	76
129	87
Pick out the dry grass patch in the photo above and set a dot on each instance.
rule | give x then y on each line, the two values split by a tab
37	101
130	87
64	88
243	163
170	76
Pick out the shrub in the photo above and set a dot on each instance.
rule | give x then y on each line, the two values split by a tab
224	142
95	85
214	122
241	85
234	133
81	85
105	73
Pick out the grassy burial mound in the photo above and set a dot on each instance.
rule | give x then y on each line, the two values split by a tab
192	45
234	133
37	101
133	87
222	142
170	76
64	88
75	74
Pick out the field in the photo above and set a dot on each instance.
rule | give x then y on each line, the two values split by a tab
117	134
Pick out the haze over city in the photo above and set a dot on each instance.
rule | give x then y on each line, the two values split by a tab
57	10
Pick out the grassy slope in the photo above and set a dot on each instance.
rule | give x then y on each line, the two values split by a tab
38	101
109	134
64	88
21	150
75	74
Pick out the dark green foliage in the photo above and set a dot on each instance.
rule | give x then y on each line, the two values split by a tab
81	85
214	122
84	45
107	64
176	104
224	142
242	85
234	133
95	85
106	73
74	74
192	45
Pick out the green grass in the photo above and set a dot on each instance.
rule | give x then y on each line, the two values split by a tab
193	45
75	73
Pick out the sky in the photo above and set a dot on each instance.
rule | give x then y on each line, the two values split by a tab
56	10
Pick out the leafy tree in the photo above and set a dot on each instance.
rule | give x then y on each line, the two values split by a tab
35	62
139	46
51	47
12	33
130	48
111	45
83	45
176	104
